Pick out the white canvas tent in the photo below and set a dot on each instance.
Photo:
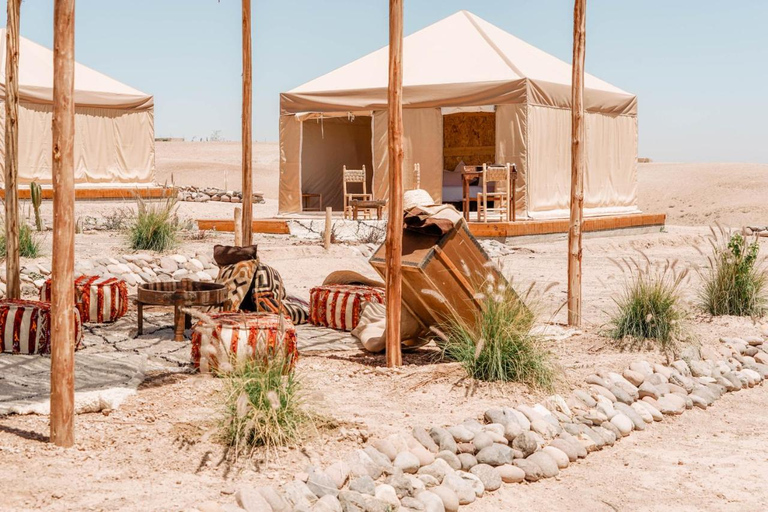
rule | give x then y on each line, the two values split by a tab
461	63
114	123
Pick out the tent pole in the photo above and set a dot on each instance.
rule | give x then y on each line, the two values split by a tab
578	159
62	290
394	249
12	280
247	136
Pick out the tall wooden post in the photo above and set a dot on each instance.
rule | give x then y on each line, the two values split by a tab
394	252
247	133
62	289
578	159
12	280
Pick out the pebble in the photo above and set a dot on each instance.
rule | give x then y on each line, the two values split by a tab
321	484
495	455
407	462
251	500
386	493
378	458
547	464
566	447
643	412
511	474
447	496
635	378
461	434
623	423
621	394
355	501
483	440
488	475
461	487
437	469
363	485
648	389
527	443
532	471
274	498
359	460
327	503
451	458
468	461
433	503
655	413
386	447
425	456
474	482
561	459
671	404
630	413
425	439
409	503
298	494
443	439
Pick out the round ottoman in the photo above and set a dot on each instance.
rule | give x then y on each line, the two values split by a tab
25	326
242	335
99	299
338	306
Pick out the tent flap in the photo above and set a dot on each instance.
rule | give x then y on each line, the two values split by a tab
512	147
289	200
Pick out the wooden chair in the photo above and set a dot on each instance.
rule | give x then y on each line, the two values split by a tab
355	176
500	178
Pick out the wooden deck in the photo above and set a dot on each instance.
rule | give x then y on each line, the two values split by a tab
278	226
549	227
95	193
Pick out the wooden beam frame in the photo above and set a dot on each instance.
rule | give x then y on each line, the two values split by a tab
247	131
578	163
62	289
12	269
394	248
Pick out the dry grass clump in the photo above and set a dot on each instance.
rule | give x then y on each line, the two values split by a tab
498	345
29	242
735	278
155	227
649	307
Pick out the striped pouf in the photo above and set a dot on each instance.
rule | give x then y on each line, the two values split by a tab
99	299
25	326
217	341
338	306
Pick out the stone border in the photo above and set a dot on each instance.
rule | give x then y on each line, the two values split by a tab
441	469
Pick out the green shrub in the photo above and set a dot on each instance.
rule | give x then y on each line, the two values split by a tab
264	407
155	227
734	279
29	242
649	307
499	344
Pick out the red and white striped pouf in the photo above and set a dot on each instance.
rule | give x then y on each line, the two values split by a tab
25	326
242	335
338	306
99	299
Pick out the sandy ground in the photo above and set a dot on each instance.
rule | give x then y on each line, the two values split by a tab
160	450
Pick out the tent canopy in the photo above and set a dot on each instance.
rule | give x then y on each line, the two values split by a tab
460	60
92	89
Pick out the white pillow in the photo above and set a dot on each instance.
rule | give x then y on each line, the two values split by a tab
459	167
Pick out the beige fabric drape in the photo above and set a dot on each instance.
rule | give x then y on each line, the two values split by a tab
549	160
512	147
111	145
289	200
422	144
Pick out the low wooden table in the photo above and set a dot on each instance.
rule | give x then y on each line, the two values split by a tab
306	199
179	294
358	204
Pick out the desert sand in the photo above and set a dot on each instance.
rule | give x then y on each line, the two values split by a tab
159	451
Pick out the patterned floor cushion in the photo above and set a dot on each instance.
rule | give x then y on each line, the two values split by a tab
25	326
99	299
338	306
244	335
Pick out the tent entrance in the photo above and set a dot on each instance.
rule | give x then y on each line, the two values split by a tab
469	138
328	145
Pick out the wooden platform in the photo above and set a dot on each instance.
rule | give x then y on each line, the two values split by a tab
95	193
549	227
478	229
267	226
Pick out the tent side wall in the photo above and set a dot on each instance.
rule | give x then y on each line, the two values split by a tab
422	144
289	200
512	147
111	145
611	176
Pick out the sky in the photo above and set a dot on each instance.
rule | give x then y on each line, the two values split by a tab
699	68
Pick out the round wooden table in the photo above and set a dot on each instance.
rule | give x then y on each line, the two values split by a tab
179	294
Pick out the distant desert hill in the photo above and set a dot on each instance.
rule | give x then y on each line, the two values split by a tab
690	194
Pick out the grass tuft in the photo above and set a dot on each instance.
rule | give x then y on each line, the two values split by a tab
649	307
29	242
264	407
155	227
735	278
499	345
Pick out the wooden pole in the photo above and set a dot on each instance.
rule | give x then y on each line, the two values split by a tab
328	228
394	249
238	226
578	159
62	290
12	279
247	134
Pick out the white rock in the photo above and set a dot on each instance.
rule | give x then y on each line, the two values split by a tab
387	493
168	264
624	424
182	272
203	276
560	457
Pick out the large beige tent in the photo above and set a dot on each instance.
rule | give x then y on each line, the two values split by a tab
114	123
472	94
